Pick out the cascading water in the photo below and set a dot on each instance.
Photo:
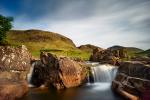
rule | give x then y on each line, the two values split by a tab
102	73
29	76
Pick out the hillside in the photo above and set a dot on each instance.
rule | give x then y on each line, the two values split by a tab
38	40
88	48
131	51
116	47
145	53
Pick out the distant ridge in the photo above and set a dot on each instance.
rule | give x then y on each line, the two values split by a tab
129	49
88	47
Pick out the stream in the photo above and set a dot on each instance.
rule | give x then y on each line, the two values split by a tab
98	87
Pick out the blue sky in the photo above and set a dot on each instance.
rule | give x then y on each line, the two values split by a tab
100	22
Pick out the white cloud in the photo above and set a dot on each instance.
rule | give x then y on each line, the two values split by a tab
105	24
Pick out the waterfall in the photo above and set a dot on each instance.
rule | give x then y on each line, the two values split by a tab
102	73
29	76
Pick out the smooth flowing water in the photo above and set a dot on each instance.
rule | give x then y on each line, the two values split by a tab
30	75
100	89
104	73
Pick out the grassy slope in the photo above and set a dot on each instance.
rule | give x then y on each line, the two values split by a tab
37	40
88	48
131	51
144	53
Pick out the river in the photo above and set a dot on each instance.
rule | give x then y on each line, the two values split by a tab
99	89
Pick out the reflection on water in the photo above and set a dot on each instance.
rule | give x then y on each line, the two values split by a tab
95	91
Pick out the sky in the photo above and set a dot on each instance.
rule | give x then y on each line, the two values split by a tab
99	22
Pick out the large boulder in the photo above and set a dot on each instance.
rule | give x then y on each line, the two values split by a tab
14	66
133	80
14	62
60	72
11	90
72	73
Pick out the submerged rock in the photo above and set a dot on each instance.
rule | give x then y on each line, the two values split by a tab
133	80
14	66
60	72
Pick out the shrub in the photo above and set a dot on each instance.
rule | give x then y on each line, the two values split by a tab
5	25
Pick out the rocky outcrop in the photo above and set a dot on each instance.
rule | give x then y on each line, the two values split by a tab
14	66
60	72
111	56
144	60
133	81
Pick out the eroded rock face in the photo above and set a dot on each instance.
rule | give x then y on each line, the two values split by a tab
133	78
60	72
14	66
110	56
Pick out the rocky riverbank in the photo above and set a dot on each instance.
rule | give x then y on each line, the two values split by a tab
133	81
14	66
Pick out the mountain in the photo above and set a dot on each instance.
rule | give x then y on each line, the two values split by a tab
134	49
116	47
88	47
38	40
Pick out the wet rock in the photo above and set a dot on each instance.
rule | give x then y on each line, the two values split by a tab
61	72
134	79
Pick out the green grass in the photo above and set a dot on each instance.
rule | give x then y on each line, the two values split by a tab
70	53
145	53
